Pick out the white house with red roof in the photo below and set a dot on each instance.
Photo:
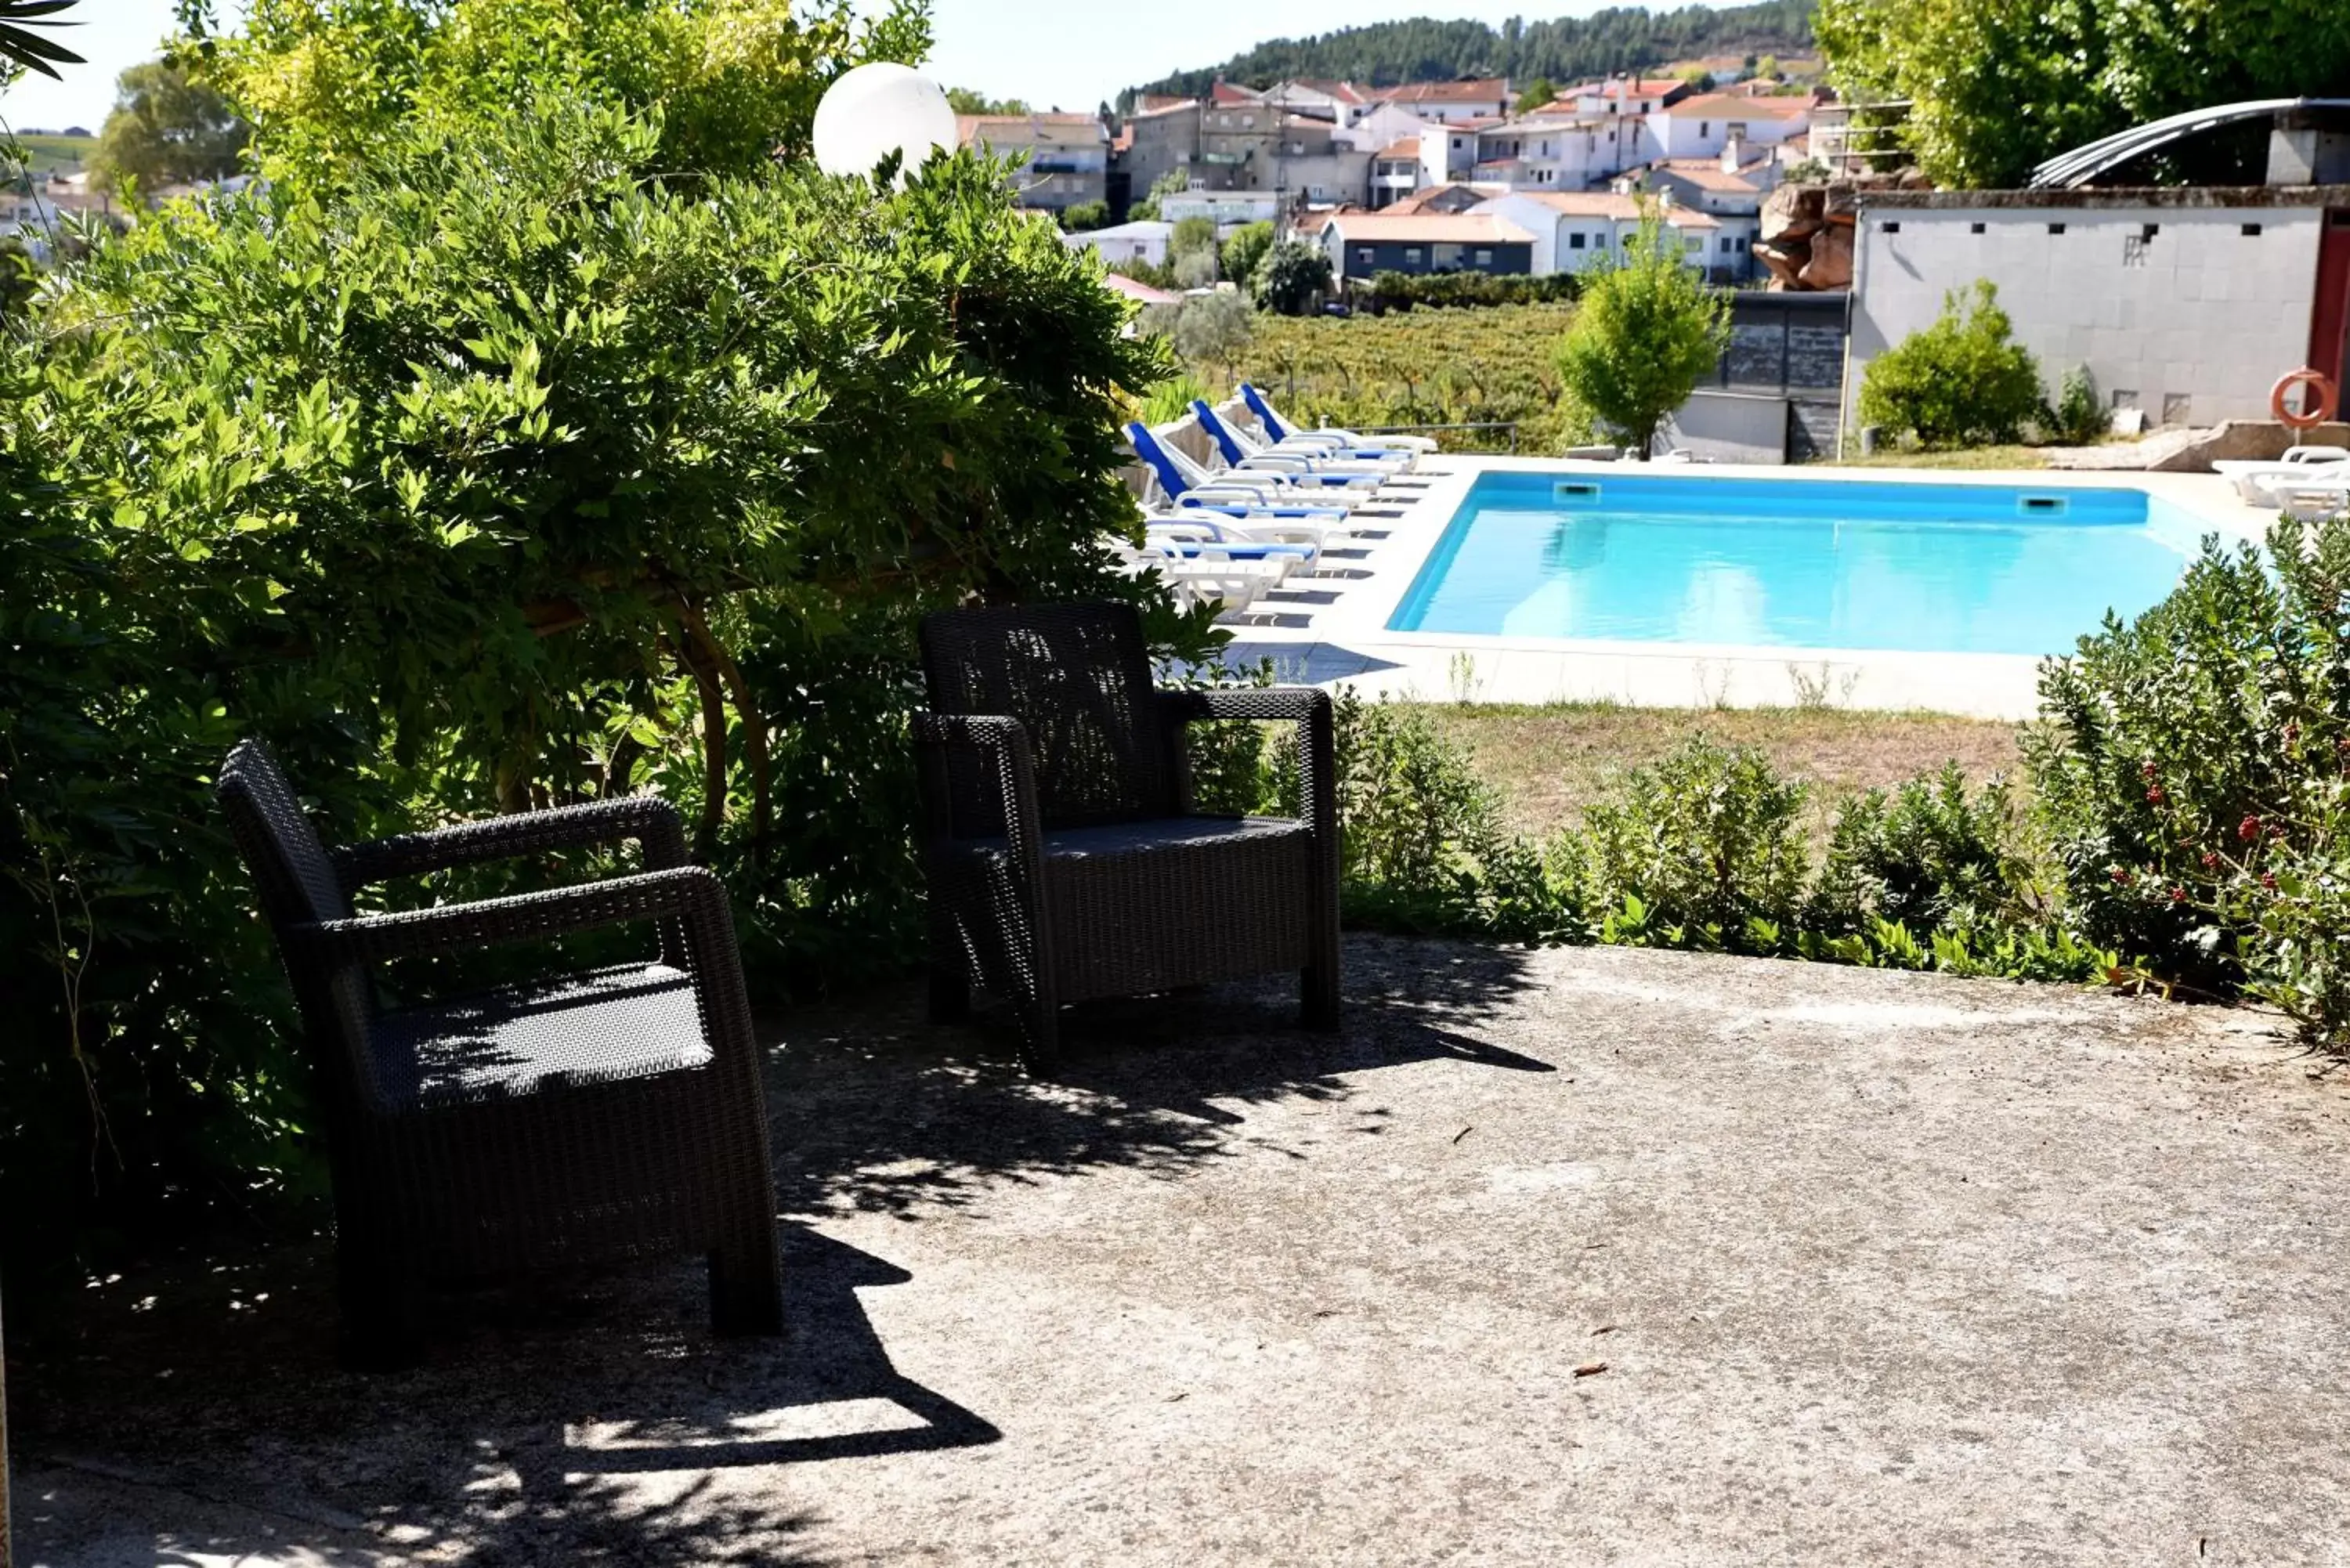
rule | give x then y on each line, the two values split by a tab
1702	124
1453	102
1575	230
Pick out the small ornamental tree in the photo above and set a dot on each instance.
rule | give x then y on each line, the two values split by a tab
1079	216
1648	331
1292	279
1963	381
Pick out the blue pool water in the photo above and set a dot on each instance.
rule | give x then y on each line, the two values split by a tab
1844	563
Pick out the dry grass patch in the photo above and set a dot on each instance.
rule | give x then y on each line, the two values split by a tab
1549	763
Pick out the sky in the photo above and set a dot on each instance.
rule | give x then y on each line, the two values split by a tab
1072	52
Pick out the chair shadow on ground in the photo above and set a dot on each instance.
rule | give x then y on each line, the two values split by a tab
584	1421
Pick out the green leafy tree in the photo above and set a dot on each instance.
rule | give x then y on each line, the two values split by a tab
1246	248
1192	235
2039	80
1208	329
1192	252
1536	94
327	84
1079	216
167	129
1648	331
1292	278
498	473
1962	382
966	101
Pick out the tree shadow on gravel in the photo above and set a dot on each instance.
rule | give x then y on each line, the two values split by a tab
877	1110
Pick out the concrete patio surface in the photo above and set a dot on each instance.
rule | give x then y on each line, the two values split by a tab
1556	1257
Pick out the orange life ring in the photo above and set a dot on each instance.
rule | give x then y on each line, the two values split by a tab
2310	415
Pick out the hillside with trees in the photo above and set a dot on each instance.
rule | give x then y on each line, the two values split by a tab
1568	49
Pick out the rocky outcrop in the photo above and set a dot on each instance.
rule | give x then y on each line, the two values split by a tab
1808	231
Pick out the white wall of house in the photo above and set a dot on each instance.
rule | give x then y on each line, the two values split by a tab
1446	153
1701	127
1576	242
1140	241
2193	325
1382	126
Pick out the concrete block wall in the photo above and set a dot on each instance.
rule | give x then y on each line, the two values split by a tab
2197	319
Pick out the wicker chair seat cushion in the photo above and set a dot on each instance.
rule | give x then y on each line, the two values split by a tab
1146	906
598	1026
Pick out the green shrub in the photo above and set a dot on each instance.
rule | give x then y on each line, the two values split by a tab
500	475
2078	417
1705	848
1078	217
1930	854
2193	772
1963	381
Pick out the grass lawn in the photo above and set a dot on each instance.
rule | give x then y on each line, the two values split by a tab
1979	457
1549	763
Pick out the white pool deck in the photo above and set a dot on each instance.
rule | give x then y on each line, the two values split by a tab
1332	629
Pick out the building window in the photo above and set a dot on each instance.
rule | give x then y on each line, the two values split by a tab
1738	129
1363	255
1575	242
1974	228
1704	129
1485	258
1411	254
2133	250
1248	122
1693	244
2055	228
1889	228
2149	231
2252	230
1728	244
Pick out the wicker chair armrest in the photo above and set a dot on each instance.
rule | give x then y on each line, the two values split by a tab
1006	741
650	820
1309	708
689	894
1273	703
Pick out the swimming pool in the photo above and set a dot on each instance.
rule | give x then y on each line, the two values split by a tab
1829	564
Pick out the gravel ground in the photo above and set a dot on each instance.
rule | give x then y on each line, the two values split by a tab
1559	1257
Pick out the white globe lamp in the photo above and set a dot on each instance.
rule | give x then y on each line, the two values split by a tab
878	110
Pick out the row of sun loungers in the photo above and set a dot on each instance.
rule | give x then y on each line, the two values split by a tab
1276	498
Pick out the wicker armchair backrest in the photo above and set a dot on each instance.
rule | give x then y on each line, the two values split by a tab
297	884
1078	676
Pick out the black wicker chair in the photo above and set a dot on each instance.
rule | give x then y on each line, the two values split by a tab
1065	862
613	1112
